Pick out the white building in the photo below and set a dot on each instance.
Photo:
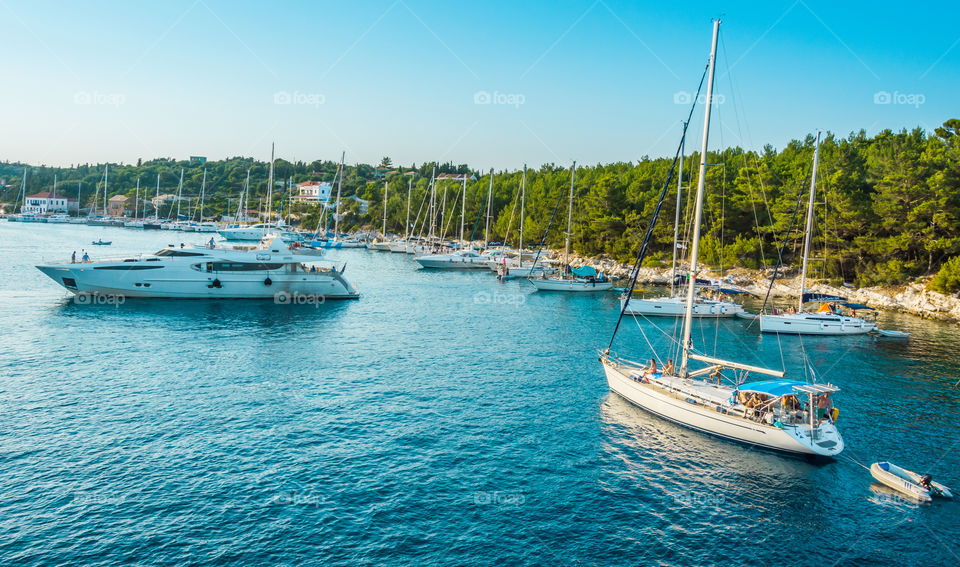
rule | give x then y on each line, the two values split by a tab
44	203
313	192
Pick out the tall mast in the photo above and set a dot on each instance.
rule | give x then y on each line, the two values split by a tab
156	206
806	242
443	213
433	200
486	230
676	220
106	172
523	198
698	206
79	201
136	201
406	227
336	218
54	185
23	191
566	250
242	203
463	207
386	186
269	189
203	192
179	193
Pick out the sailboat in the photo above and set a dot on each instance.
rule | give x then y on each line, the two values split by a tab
674	305
782	415
382	243
337	242
508	267
827	319
155	224
461	258
582	279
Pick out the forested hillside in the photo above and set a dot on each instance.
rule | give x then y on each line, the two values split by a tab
888	206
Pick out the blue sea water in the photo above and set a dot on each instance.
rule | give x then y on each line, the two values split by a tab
442	418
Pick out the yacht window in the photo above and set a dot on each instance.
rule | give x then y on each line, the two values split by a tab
244	266
170	252
128	268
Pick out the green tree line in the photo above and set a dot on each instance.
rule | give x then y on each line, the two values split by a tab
887	207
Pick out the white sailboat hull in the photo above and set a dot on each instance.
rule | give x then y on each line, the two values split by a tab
675	307
706	418
574	285
452	262
815	324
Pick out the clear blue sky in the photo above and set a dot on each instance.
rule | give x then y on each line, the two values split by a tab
591	81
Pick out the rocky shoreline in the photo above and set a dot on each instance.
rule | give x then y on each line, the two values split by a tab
913	298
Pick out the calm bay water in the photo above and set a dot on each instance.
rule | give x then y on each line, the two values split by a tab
443	418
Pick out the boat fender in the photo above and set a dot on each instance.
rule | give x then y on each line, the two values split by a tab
834	414
268	282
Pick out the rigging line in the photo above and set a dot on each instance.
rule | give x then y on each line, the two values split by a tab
513	210
545	233
780	346
656	213
737	100
657	327
476	223
419	210
653	350
776	268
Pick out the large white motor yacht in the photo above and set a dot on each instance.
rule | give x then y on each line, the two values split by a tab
267	270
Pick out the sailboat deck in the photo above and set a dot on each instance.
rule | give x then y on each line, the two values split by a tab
713	394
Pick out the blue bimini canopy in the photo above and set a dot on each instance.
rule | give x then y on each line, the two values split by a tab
584	271
779	388
808	297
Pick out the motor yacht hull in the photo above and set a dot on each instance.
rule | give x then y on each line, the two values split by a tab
81	279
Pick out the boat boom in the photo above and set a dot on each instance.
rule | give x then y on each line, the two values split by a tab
736	365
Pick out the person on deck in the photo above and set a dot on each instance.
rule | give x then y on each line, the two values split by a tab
653	366
669	368
717	375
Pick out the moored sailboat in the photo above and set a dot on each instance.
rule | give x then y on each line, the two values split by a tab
582	279
827	319
782	415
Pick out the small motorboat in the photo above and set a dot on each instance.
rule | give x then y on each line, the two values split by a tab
102	242
892	333
920	487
